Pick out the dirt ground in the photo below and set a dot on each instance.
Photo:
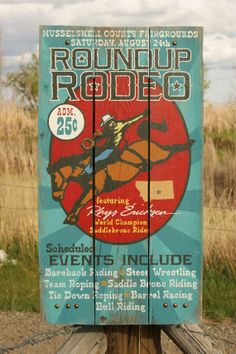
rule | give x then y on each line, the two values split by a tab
24	333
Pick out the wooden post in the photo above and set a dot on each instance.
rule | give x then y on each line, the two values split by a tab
133	339
150	339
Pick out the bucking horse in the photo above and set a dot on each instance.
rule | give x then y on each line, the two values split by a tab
128	163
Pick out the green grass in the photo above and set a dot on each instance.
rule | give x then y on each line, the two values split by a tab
20	282
219	293
223	140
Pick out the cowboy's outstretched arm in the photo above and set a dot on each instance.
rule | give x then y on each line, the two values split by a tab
135	119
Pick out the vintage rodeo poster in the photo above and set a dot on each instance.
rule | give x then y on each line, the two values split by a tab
120	174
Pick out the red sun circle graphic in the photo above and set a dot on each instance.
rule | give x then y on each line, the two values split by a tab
117	209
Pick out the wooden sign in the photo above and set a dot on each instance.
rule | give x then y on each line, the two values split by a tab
120	149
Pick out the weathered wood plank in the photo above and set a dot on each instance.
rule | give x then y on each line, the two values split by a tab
175	183
119	119
60	304
191	339
89	340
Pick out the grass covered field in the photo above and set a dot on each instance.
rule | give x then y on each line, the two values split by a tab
18	206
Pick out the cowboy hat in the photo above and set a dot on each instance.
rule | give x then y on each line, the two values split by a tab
106	118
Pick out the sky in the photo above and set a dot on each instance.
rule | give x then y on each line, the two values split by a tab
20	20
